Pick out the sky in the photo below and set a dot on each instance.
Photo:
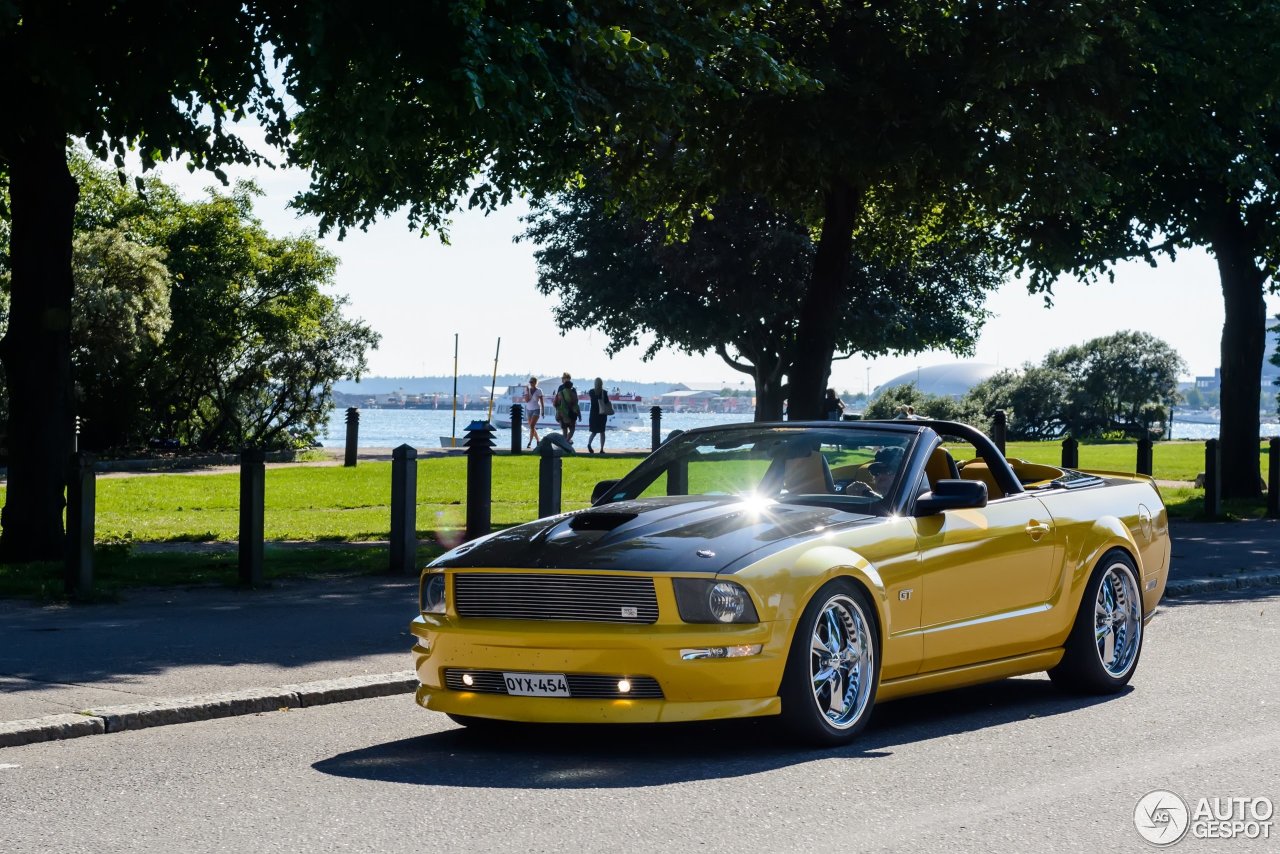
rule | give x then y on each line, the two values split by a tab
418	293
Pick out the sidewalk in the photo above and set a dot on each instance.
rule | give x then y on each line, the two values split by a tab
173	655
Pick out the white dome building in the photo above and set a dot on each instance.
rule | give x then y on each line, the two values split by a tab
952	380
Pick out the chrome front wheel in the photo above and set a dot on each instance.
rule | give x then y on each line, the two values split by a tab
832	671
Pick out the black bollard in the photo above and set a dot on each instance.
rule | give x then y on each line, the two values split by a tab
1144	457
353	435
1273	479
1212	479
655	413
81	496
1070	453
678	478
517	428
999	427
404	509
253	481
550	450
479	449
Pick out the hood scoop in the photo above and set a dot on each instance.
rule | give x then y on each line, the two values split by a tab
600	521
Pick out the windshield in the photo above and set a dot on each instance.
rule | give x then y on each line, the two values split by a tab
855	469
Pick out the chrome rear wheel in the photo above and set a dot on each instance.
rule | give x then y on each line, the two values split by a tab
1102	650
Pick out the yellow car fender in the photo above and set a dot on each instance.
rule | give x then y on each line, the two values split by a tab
786	590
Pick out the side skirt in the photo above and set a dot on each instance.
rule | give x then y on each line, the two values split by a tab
970	674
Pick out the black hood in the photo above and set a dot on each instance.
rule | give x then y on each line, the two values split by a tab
674	534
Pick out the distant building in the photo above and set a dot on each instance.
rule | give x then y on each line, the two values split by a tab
953	380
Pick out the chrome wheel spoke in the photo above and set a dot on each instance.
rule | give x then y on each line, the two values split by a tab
822	677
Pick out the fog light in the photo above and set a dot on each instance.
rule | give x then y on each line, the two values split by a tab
739	651
624	686
467	680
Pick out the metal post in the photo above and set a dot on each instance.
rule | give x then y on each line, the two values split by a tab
75	435
81	495
404	509
999	425
253	481
1070	453
479	449
678	478
549	477
655	413
353	435
517	429
1212	479
1273	479
1144	457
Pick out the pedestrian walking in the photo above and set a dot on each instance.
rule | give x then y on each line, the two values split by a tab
601	409
832	406
565	402
533	409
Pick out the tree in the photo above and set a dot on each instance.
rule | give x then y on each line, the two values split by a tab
901	109
162	75
395	105
1035	399
119	317
1191	159
256	344
892	402
737	284
1117	383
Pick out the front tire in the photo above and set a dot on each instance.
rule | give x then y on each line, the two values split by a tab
1104	645
833	668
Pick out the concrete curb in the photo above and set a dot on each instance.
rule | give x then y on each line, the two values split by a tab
185	710
1214	584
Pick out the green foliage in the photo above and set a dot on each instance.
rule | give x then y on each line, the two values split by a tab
736	285
120	314
191	323
894	401
1034	399
1118	384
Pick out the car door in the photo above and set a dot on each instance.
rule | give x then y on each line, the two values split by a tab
986	574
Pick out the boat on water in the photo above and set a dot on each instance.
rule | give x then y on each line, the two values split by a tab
628	409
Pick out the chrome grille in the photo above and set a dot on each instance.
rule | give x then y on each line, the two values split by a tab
580	598
583	686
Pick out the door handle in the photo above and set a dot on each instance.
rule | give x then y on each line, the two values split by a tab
1037	529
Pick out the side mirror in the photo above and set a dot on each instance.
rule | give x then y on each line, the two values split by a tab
952	495
603	488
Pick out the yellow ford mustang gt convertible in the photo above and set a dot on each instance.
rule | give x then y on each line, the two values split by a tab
803	570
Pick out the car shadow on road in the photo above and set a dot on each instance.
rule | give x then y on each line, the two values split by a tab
545	756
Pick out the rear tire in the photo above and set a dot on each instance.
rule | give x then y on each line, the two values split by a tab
1104	645
833	668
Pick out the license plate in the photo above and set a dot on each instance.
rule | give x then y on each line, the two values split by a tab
536	684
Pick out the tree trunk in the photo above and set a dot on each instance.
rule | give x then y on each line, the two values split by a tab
770	391
36	350
816	331
1244	335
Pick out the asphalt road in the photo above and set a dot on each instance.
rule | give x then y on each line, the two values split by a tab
1015	766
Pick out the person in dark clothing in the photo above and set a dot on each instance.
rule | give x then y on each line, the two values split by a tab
566	406
601	409
832	406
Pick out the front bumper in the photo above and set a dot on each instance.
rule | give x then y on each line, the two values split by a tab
700	689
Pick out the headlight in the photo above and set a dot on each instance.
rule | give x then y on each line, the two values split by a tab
431	596
710	601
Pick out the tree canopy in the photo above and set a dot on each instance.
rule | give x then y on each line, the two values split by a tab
735	286
1190	158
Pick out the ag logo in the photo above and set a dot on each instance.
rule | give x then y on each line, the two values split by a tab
1161	817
